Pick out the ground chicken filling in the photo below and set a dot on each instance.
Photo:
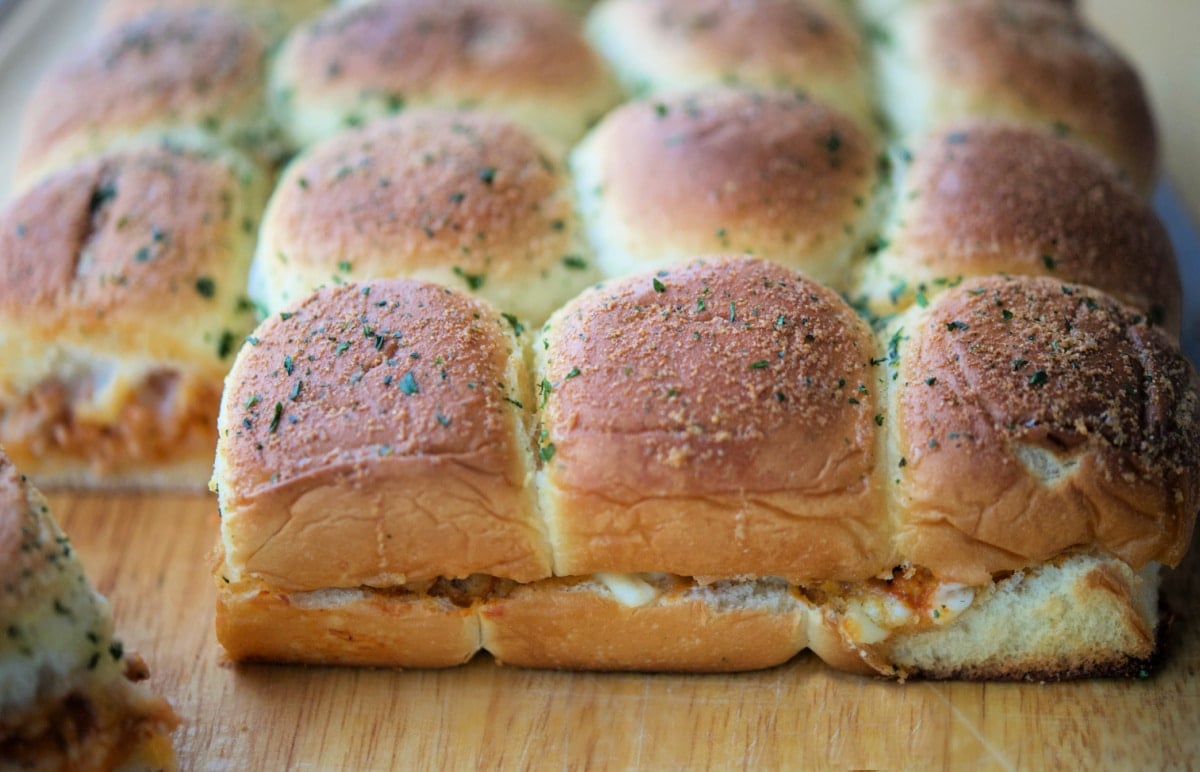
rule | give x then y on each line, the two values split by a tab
88	728
169	415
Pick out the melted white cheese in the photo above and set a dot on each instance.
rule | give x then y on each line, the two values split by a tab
629	589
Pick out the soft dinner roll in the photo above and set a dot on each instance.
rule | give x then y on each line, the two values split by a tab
405	400
524	60
69	697
1084	416
1027	60
988	198
457	197
121	308
164	74
274	18
769	173
717	419
375	444
811	46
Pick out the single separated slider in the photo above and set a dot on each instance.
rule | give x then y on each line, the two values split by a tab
122	307
69	692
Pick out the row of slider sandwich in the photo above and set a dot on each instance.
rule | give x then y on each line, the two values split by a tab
722	447
491	208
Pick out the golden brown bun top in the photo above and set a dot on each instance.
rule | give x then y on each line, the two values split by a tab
187	66
1003	368
359	375
425	189
771	34
723	375
731	164
465	47
772	43
1047	61
993	198
132	235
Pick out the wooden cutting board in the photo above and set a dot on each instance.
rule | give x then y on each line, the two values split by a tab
149	555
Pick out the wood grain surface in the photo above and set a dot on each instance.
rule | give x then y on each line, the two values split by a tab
149	555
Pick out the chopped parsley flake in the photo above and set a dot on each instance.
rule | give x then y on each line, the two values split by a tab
474	280
408	384
206	286
515	323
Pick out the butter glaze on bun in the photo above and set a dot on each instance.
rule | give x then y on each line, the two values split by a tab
714	419
394	414
986	197
662	46
524	60
727	170
164	74
1084	416
465	199
1033	62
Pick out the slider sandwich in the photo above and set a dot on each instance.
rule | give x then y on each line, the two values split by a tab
122	306
707	468
70	696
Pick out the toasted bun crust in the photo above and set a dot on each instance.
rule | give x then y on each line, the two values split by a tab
770	173
399	398
121	307
992	198
272	17
714	420
1078	616
58	658
1086	418
256	622
578	624
162	73
683	45
524	60
457	197
1036	62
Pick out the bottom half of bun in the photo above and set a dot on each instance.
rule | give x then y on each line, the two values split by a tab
1080	615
